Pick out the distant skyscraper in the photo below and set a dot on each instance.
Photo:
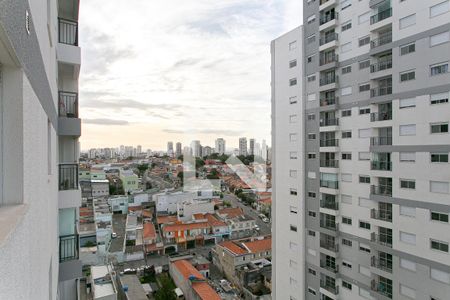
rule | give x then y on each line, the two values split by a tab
196	148
139	149
258	149
243	146
264	150
206	151
170	148
178	149
220	146
252	147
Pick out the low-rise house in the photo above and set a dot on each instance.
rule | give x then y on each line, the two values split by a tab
253	279
218	229
119	204
103	286
130	181
185	235
151	239
99	187
186	209
167	202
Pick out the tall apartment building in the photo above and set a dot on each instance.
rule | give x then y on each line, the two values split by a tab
251	150
178	149
170	148
243	146
360	108
220	146
39	131
196	148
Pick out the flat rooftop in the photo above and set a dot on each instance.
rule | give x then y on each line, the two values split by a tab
103	286
135	289
118	227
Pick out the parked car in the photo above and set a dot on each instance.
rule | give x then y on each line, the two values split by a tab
265	220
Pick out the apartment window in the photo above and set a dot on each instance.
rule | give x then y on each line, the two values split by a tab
440	275
293	119
439	157
309	59
364	41
346	113
311	39
346	285
439	245
346	264
440	187
311	97
292	81
437	216
311	117
346	70
408	238
312	175
346	220
345	4
346	26
364	179
311	233
293	137
347	242
311	136
364	248
347	47
312	214
311	19
439	98
407	291
346	156
311	291
293	63
407	76
364	155
346	134
311	78
439	38
407	156
439	9
293	100
292	45
439	128
364	87
408	21
293	228
364	225
346	177
345	91
311	155
408	265
293	192
346	199
408	184
293	155
407	103
408	48
407	211
406	130
439	69
364	133
293	173
312	194
364	18
364	111
312	271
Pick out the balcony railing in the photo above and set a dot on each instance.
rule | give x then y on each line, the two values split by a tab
68	247
381	165
381	141
327	18
381	215
329	204
381	190
329	163
381	239
329	143
328	58
329	225
68	104
331	268
381	16
329	79
380	116
68	176
328	38
381	264
329	184
381	288
329	101
383	39
334	247
381	91
68	32
334	289
329	122
380	66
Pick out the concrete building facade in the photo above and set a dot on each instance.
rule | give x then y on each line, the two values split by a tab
360	152
243	146
220	146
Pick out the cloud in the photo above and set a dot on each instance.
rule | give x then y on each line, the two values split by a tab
105	122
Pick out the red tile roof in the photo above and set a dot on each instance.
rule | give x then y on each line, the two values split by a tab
233	247
182	227
166	219
231	212
146	213
134	208
259	245
213	221
149	231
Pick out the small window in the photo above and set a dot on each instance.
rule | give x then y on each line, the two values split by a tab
364	41
408	265
347	242
406	130
364	155
345	4
439	69
407	156
346	26
293	228
311	97
293	63
409	48
311	19
311	117
439	38
408	21
364	18
346	70
440	276
312	271
312	214
439	128
311	291
408	238
407	103
364	179
311	136
293	154
364	133
346	264
309	59
311	155
293	173
293	100
346	285
293	192
440	217
364	111
292	45
346	177
364	248
439	245
346	134
293	137
408	184
407	76
346	156
346	113
293	119
346	199
346	220
439	157
311	233
346	91
439	98
311	39
347	47
408	211
407	291
439	9
292	81
311	194
440	187
311	78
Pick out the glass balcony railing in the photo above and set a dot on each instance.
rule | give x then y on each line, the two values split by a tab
381	165
329	225
329	101
380	116
328	38
329	163
380	66
68	176
329	122
381	190
334	289
328	79
381	91
329	143
68	247
383	288
330	246
329	204
327	18
68	32
383	215
383	39
381	264
328	58
330	267
381	16
381	141
68	104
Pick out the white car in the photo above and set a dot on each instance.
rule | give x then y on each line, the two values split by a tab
256	227
265	220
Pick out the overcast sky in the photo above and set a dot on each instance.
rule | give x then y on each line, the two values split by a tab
175	70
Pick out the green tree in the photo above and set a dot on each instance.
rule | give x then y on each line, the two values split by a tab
166	290
142	168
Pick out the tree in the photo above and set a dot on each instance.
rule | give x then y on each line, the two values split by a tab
166	290
199	163
142	168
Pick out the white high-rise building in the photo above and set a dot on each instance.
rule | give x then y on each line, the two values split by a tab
361	176
252	147
39	131
170	148
178	150
220	146
139	150
196	148
243	146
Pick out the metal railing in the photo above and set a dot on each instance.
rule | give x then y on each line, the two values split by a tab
381	16
381	141
329	184
329	143
68	104
381	215
334	289
381	239
328	38
328	58
68	176
68	31
334	247
68	247
329	204
381	91
382	190
329	101
334	269
327	18
382	39
381	65
381	165
329	163
329	79
381	264
329	122
380	116
329	225
381	288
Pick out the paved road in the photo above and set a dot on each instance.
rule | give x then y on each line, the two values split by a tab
265	228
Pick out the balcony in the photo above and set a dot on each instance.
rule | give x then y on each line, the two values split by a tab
328	38
332	288
328	79
334	247
381	91
382	287
381	165
329	163
328	58
68	177
383	240
329	122
381	190
329	143
380	66
381	215
329	204
68	104
383	39
330	184
381	116
381	264
68	32
329	101
330	267
381	16
68	247
381	141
